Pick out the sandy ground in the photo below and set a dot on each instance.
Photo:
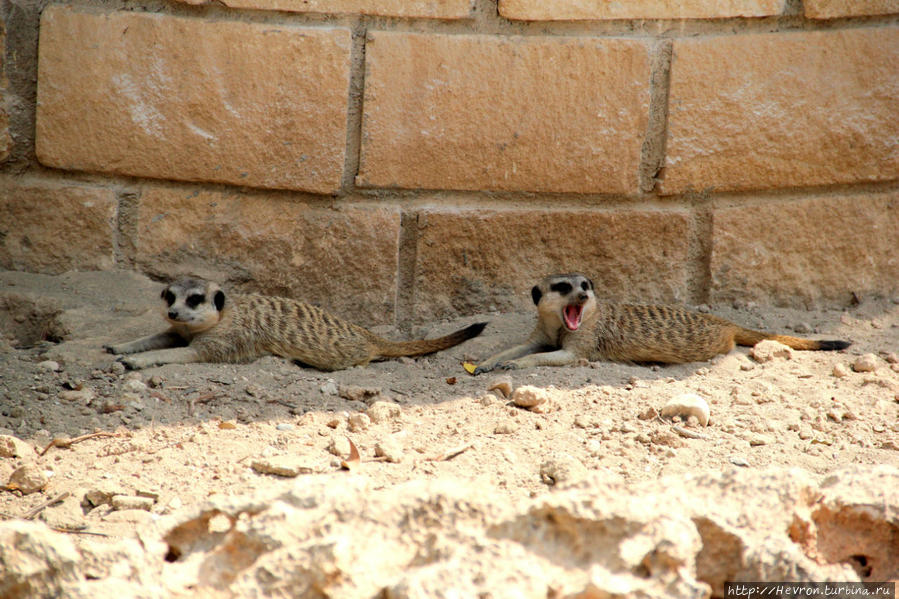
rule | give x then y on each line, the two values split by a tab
179	434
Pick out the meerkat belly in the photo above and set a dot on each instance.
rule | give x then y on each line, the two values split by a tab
661	334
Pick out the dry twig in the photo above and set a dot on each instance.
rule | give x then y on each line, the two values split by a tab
33	512
66	443
448	455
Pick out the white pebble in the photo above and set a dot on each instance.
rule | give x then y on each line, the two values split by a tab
384	411
529	396
49	365
840	371
686	405
865	363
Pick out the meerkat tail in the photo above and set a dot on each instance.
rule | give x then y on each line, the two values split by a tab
395	349
750	338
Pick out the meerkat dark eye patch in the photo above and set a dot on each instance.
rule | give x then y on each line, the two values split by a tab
536	294
194	300
584	285
219	300
562	288
168	296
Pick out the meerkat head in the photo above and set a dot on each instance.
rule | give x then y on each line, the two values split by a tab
565	299
193	305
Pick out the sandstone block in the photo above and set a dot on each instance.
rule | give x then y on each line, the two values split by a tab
504	113
472	261
5	138
559	10
829	9
781	110
806	252
344	260
51	227
159	96
437	9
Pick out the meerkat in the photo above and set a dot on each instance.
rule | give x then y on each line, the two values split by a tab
573	325
209	326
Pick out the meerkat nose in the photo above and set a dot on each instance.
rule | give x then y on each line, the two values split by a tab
173	314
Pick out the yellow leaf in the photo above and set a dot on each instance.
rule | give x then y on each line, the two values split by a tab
469	367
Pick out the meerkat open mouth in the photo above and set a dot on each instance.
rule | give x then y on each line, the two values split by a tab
571	316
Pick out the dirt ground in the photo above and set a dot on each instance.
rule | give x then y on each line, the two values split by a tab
180	434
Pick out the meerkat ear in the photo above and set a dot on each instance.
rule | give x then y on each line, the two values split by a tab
219	300
162	294
536	294
589	280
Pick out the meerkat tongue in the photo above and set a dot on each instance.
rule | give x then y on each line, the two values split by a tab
572	315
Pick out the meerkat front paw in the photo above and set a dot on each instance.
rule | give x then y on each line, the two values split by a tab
512	365
134	362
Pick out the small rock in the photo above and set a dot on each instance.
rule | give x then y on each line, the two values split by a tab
134	386
561	468
529	396
686	405
13	447
648	414
738	461
333	422
285	465
390	448
505	428
503	385
356	393
339	446
285	426
174	504
358	422
768	350
865	363
487	400
329	388
117	368
840	370
130	502
584	421
28	478
892	358
666	438
49	366
83	395
155	381
594	447
758	440
384	411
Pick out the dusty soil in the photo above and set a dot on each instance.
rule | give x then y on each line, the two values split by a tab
184	433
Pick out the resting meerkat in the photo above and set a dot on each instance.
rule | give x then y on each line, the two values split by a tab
572	325
209	326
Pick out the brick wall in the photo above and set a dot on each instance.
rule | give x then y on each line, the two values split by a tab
397	160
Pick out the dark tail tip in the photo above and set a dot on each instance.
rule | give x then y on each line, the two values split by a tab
474	330
833	345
